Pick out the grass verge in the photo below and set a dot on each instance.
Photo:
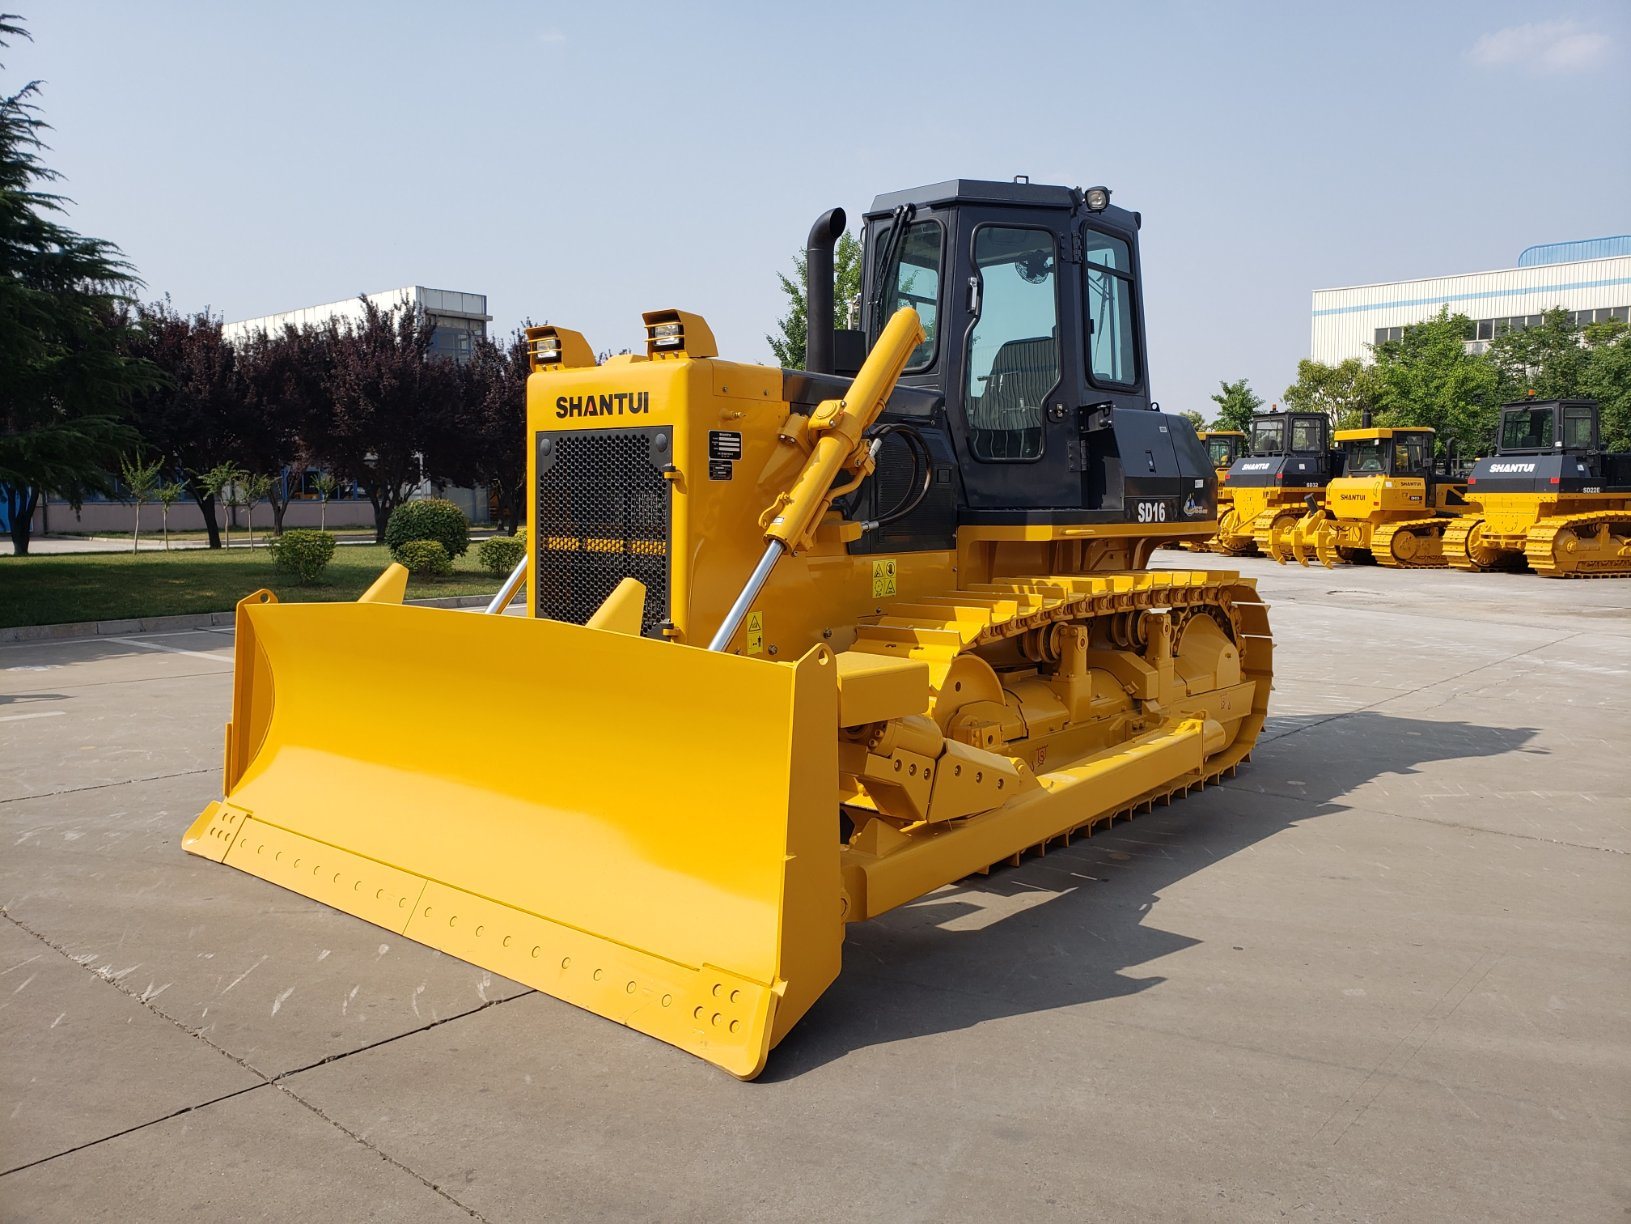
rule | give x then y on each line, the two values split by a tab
53	588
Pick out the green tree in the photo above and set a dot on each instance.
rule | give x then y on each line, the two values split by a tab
141	480
218	486
1194	418
1236	403
325	484
1607	379
64	373
794	327
168	494
1342	391
257	487
1548	360
1427	377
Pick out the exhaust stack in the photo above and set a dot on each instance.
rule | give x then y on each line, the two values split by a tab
819	339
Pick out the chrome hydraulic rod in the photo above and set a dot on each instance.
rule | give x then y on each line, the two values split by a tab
508	590
838	429
750	592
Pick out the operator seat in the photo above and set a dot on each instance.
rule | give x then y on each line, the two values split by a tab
1007	418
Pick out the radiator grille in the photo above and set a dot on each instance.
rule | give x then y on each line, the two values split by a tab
602	516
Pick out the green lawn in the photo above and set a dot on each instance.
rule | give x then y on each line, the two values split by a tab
50	589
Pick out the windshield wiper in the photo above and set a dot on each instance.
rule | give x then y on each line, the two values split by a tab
886	261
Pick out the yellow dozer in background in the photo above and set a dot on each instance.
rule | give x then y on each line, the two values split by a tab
798	646
1552	497
1390	505
1223	447
1289	456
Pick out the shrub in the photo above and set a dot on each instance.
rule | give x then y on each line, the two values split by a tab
500	554
425	559
303	552
430	518
521	534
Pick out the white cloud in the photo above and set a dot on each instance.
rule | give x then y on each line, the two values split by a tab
1542	46
551	36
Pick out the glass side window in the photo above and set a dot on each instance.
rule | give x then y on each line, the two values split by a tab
1222	450
1364	458
913	279
1108	276
1307	435
1269	436
1418	453
1013	347
1526	429
1577	428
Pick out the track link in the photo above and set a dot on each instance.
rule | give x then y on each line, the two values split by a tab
937	629
1386	546
1581	546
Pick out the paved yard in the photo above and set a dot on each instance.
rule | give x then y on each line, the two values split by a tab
1385	973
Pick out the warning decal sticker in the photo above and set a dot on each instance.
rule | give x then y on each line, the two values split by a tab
883	578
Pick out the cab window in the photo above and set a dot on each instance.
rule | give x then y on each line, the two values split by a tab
1307	435
1013	347
1269	436
1364	458
1415	454
1222	451
1111	360
913	279
1577	429
1526	429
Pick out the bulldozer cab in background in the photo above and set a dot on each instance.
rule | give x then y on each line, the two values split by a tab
1224	446
1287	450
1532	428
1387	452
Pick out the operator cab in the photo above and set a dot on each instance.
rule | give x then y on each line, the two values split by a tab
1387	452
1541	427
1290	450
1223	446
1031	387
1550	446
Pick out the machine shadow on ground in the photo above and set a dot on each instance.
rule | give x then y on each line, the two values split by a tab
1063	929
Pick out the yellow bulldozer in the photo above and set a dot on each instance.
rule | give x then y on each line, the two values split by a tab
1223	447
1551	496
1288	457
799	646
1391	505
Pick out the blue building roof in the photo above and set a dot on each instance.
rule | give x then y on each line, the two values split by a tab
1568	252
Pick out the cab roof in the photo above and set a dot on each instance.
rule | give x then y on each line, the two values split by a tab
1380	433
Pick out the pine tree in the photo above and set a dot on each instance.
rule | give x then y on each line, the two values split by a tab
64	374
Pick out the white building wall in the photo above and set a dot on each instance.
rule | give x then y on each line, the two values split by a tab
350	310
1345	320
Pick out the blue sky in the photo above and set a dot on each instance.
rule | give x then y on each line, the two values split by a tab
582	163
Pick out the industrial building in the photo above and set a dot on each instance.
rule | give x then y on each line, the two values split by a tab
459	318
1591	279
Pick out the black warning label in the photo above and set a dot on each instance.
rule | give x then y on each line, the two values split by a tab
720	469
724	444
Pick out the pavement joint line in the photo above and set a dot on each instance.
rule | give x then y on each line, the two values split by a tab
130	1130
273	1081
1410	1044
75	790
64	689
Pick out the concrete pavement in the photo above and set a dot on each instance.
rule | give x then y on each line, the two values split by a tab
1382	974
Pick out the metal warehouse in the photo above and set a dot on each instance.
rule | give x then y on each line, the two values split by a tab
1591	279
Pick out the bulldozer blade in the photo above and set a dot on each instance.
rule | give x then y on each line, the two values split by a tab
646	830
